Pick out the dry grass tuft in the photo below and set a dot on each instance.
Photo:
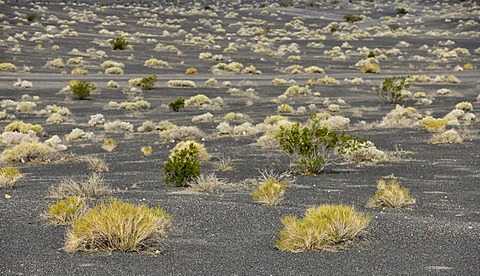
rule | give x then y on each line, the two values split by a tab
224	164
118	226
390	195
8	177
91	187
206	183
96	164
66	211
270	192
325	227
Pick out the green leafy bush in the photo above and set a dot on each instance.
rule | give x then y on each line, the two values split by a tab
324	227
178	104
31	16
352	17
390	194
392	87
311	147
182	166
81	89
118	226
119	43
401	11
147	83
66	211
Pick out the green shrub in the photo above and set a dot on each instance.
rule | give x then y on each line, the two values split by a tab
178	104
118	226
146	150
390	194
147	83
31	16
119	43
392	87
8	177
324	227
310	147
27	152
109	144
66	211
182	166
352	17
270	192
81	89
401	11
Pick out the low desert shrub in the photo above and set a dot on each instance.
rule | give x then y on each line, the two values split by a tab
311	147
390	194
176	105
270	192
181	83
119	43
8	67
8	177
432	124
81	89
118	126
191	71
22	127
370	68
155	63
392	87
90	187
450	136
183	165
66	211
27	152
147	83
324	228
352	17
118	226
202	153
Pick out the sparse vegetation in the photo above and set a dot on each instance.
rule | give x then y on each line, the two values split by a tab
324	228
81	89
392	87
270	192
119	43
8	177
183	165
390	194
176	105
66	211
118	226
27	152
90	187
352	17
109	144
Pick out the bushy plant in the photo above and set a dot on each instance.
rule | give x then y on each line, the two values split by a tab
191	71
390	194
119	43
176	105
401	11
270	192
118	226
432	124
66	211
147	83
81	89
352	17
31	16
392	87
311	147
8	177
22	127
146	150
182	166
27	152
325	228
